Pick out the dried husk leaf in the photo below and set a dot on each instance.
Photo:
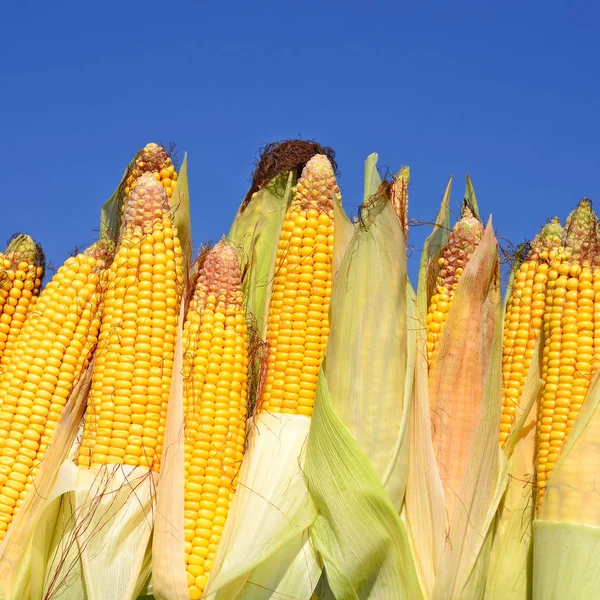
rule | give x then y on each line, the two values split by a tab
15	557
266	530
358	533
366	364
168	541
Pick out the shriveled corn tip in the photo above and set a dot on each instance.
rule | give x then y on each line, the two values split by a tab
220	275
580	236
147	204
548	239
317	183
22	250
154	159
103	252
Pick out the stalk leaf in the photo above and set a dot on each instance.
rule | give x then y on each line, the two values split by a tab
358	533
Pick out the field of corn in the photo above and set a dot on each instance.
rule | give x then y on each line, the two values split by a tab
284	415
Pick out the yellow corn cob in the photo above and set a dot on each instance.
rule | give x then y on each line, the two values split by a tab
154	159
524	319
51	352
462	242
569	330
21	273
298	324
127	404
215	344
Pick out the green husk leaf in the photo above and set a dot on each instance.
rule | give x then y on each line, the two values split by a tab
433	244
566	533
565	561
470	198
265	544
255	231
366	364
372	178
510	569
424	506
111	211
180	203
353	506
344	230
572	494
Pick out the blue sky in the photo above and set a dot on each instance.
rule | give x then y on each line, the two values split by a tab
505	91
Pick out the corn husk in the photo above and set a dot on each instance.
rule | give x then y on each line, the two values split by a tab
470	197
367	365
566	532
22	544
255	232
510	566
357	447
265	550
451	540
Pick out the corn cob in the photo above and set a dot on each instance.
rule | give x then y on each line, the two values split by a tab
50	354
154	159
21	273
524	319
215	393
298	325
462	242
127	404
571	320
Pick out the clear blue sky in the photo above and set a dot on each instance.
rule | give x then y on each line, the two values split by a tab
506	91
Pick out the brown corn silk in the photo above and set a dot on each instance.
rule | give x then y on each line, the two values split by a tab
127	404
215	346
22	267
524	319
50	354
298	324
571	336
454	256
